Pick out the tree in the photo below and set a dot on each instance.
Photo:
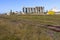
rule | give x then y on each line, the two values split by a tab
51	12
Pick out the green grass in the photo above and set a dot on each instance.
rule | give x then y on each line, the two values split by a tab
25	27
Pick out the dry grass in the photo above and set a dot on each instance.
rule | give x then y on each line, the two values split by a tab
24	27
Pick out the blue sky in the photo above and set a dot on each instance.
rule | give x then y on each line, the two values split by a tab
16	5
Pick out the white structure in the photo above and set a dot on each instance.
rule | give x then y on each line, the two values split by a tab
56	10
8	13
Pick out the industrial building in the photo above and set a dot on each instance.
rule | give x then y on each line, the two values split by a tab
33	10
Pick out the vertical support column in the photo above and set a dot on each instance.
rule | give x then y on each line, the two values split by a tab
30	10
39	9
42	9
25	10
33	10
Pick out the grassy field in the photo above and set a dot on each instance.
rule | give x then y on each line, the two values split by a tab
28	27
